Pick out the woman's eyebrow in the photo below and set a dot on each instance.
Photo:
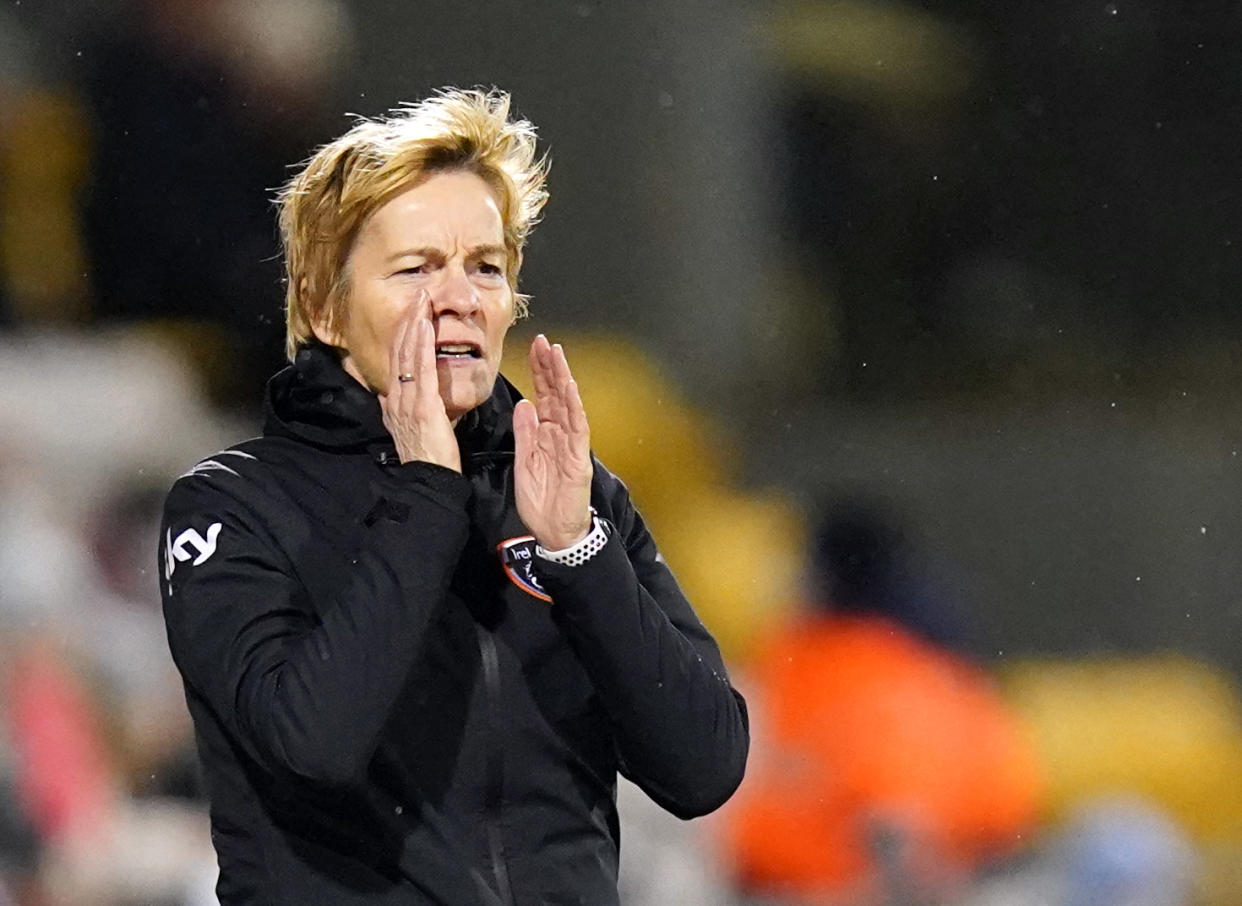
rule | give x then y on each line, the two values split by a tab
424	252
482	251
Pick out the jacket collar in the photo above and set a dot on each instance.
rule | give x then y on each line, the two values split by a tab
316	401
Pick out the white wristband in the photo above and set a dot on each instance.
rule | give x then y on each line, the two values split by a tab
584	550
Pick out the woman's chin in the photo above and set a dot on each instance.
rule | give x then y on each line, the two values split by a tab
461	393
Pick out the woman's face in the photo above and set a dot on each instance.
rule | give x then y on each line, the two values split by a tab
443	236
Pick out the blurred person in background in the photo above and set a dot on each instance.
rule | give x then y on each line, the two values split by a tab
890	770
195	107
421	629
97	801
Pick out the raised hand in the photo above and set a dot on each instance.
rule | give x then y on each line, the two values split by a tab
413	410
552	472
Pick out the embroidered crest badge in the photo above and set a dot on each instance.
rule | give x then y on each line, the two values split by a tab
517	555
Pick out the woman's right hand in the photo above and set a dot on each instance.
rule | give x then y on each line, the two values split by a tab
413	410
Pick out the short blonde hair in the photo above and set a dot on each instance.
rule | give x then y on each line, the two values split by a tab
323	207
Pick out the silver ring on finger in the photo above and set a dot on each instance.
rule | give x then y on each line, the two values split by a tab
405	378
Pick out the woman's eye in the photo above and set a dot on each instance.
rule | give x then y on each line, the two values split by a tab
492	270
415	269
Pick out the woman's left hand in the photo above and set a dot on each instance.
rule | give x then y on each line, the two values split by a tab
552	471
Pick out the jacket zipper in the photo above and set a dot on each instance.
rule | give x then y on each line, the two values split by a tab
494	791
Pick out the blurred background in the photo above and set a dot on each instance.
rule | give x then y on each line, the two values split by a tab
913	328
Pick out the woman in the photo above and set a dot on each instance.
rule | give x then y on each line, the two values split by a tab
420	627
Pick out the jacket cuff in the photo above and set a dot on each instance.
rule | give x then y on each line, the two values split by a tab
573	583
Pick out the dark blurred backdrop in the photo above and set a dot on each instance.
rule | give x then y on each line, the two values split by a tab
979	261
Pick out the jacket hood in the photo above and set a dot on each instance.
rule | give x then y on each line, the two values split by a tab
316	401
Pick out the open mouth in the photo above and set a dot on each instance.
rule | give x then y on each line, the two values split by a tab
458	351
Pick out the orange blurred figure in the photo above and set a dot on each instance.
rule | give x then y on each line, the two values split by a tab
890	769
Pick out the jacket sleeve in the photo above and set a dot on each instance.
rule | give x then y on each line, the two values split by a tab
301	692
681	729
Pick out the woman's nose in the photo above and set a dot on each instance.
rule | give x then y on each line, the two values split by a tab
455	294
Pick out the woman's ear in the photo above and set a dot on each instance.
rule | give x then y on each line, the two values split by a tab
323	323
325	330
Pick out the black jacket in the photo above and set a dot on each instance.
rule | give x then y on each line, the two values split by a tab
387	708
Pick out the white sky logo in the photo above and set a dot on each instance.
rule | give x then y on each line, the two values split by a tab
176	551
